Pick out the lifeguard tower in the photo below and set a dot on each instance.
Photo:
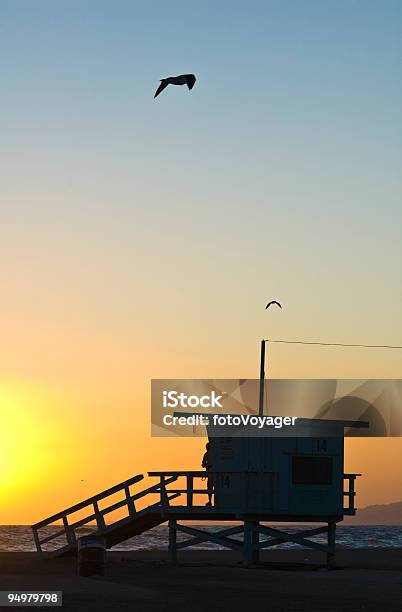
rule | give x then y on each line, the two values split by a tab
277	479
297	478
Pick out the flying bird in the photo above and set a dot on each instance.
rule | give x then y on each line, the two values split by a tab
272	302
182	79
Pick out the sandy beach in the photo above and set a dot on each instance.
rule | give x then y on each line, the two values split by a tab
365	580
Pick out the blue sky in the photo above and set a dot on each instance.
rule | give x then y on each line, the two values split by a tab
277	176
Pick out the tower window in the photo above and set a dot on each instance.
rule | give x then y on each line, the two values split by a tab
311	470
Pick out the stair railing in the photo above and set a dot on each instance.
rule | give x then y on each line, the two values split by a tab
96	514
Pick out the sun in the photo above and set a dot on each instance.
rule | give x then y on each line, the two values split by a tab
21	431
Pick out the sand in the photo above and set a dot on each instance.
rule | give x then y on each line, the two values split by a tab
143	581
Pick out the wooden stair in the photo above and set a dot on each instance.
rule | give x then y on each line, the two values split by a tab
115	532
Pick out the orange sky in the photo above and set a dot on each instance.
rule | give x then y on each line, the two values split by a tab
86	425
142	238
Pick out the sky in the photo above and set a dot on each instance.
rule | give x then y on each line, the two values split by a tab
142	238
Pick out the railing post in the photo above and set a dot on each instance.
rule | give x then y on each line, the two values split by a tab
70	534
100	521
351	494
164	497
37	540
130	503
190	487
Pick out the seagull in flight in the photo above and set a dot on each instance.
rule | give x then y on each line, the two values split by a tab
273	302
182	79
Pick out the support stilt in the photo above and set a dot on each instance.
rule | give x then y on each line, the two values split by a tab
172	541
248	544
331	545
256	542
252	543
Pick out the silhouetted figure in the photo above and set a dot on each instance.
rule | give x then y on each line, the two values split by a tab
273	302
207	464
182	79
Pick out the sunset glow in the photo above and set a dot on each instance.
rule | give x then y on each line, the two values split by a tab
142	238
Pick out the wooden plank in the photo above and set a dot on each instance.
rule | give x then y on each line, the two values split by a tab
275	541
205	538
203	473
284	536
84	521
194	491
154	489
211	537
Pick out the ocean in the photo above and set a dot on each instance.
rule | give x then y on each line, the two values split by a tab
14	538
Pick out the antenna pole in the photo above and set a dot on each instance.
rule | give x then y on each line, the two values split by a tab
262	379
